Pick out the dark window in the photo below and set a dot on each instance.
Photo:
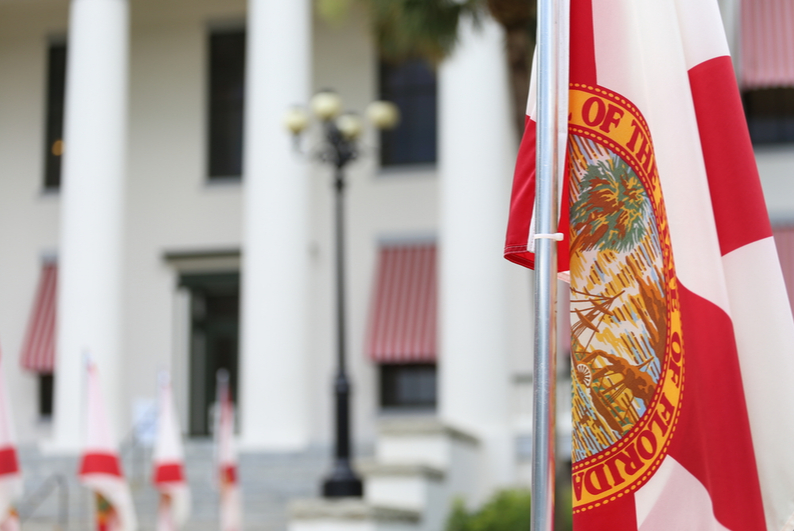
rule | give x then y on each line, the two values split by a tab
227	75
411	85
214	340
46	382
770	115
408	386
56	86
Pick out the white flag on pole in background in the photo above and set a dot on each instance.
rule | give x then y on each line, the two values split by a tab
231	511
100	466
169	463
10	474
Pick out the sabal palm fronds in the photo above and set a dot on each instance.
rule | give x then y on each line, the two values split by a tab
611	211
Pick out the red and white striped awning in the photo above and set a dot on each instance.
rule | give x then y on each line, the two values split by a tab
403	314
767	44
38	350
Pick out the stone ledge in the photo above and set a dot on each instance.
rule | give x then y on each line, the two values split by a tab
408	427
348	509
378	469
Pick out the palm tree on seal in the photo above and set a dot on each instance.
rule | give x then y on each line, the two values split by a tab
612	211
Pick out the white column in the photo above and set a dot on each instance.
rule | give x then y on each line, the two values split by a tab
274	407
476	151
730	14
90	255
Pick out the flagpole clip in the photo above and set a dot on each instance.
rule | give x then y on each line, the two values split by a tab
557	236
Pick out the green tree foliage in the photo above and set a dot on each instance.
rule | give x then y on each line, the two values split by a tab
419	28
508	510
428	29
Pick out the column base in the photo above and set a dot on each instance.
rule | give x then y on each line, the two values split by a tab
342	483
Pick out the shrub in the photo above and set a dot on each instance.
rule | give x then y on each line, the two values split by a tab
507	510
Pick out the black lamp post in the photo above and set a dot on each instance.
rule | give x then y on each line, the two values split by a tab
339	148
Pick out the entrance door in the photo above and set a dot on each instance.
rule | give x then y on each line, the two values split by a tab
214	340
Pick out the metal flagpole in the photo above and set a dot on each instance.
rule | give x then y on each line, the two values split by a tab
552	91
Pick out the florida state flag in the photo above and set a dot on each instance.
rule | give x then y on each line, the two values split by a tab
169	464
10	474
231	511
100	467
681	352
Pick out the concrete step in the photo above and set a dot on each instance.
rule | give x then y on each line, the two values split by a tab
412	440
268	482
348	514
409	486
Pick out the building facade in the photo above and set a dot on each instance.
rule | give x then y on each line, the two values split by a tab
152	199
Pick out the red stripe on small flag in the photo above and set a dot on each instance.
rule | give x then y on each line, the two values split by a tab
96	463
169	473
228	474
737	199
9	464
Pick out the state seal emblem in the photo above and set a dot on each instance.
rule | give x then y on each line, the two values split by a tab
627	350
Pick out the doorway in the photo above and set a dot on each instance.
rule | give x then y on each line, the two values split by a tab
214	342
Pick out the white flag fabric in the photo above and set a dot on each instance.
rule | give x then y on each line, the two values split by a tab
169	464
100	466
10	473
231	503
682	336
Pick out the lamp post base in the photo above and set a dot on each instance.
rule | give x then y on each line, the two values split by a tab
342	482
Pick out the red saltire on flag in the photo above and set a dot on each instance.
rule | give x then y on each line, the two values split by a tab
100	466
10	472
231	511
169	464
682	352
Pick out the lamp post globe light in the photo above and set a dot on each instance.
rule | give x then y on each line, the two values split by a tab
338	148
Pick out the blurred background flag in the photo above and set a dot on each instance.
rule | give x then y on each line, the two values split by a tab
682	336
100	466
169	463
10	474
226	455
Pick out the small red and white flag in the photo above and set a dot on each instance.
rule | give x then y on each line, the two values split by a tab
169	464
682	336
100	466
10	473
231	504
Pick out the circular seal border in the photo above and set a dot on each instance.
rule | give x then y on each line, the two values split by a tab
672	373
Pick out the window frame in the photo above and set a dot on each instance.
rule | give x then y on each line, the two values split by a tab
388	394
55	104
769	115
390	162
214	167
45	395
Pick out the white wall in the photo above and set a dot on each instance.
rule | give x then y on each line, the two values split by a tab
171	207
28	217
170	204
777	172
